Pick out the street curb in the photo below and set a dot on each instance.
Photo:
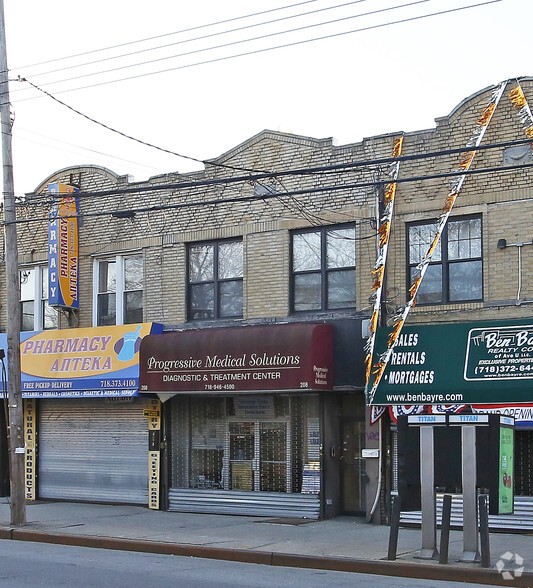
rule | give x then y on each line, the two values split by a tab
380	567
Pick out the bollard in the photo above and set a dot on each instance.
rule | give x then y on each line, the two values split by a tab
445	528
484	531
394	528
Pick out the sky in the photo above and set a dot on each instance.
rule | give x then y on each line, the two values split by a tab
188	93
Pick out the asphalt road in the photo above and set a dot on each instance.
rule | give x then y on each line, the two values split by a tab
24	564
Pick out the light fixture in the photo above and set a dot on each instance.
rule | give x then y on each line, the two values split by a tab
502	243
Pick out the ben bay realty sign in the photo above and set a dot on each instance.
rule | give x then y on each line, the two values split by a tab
240	359
465	363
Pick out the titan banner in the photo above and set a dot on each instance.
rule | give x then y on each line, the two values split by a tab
63	259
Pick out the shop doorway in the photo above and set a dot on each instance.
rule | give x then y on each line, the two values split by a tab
258	456
353	474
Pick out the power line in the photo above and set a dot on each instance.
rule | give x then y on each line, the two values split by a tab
309	216
101	154
308	191
140	141
266	49
125	135
201	38
187	30
276	174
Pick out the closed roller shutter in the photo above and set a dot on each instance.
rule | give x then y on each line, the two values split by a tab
93	450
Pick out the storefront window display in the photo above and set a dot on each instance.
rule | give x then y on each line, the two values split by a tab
265	443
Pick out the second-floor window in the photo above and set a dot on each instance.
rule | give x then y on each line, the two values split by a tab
119	286
215	280
455	273
323	268
36	314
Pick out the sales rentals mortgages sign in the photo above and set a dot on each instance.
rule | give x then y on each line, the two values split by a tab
464	363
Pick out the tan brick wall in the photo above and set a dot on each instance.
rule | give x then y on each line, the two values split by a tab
171	218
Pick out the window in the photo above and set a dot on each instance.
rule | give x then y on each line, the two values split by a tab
223	444
118	286
36	314
455	273
215	280
323	269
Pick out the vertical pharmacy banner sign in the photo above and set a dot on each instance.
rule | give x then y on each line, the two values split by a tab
63	261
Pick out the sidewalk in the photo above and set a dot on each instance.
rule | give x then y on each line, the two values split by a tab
344	543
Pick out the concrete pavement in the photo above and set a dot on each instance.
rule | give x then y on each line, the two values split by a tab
343	543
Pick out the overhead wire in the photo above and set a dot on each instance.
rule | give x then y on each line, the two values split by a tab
186	30
203	37
125	135
81	148
314	170
313	218
208	162
272	48
307	191
262	174
272	34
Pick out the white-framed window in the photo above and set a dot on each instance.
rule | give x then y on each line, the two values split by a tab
118	290
35	312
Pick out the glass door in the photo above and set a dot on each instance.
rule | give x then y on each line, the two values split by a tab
274	457
352	467
242	438
259	456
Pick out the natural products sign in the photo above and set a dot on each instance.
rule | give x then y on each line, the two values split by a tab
461	363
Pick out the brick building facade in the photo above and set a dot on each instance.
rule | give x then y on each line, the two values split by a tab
250	241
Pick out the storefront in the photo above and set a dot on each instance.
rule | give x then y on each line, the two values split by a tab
248	413
86	429
480	367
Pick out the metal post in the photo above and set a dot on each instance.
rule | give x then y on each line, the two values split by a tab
16	413
445	528
427	482
484	531
394	528
470	529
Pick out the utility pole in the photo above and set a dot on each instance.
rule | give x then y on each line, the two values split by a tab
15	409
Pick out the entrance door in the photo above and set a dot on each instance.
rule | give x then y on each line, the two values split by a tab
242	456
352	467
259	456
273	457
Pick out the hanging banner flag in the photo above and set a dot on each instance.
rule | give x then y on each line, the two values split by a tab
519	101
379	268
408	409
482	124
63	260
376	412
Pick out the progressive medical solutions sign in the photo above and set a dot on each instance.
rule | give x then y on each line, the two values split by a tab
465	363
297	356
